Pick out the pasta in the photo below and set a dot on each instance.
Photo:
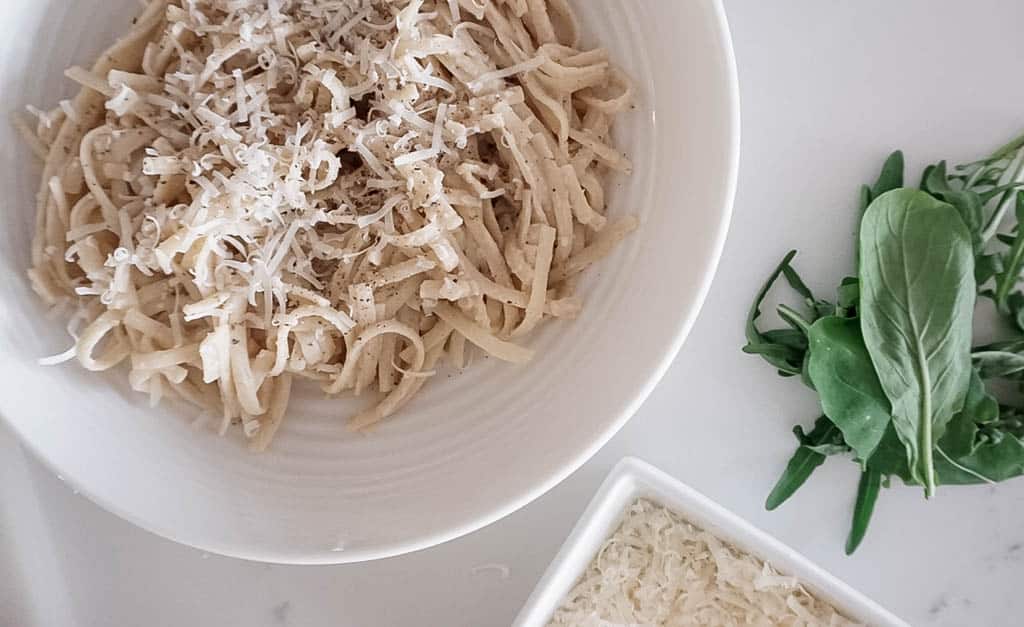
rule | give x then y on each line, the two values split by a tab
246	193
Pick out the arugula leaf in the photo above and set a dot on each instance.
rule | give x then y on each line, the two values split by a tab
786	349
1011	176
986	267
958	446
996	177
787	337
867	494
980	408
995	364
968	203
785	356
803	462
863	199
891	176
1015	305
1014	345
848	297
917	303
817	307
960	439
988	448
998	458
979	405
828	442
842	373
798	470
828	449
890	457
934	179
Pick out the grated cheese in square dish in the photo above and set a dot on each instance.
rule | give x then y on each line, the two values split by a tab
658	569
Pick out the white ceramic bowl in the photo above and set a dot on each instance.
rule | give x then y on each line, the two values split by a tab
632	479
472	448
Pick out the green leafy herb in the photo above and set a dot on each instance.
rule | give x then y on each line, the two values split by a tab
829	442
867	496
995	364
891	176
980	407
891	361
969	204
803	462
956	461
979	446
817	307
785	351
998	456
890	457
1011	263
917	303
848	297
842	373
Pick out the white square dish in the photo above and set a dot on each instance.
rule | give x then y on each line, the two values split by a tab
632	479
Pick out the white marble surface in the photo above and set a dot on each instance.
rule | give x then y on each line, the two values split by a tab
828	89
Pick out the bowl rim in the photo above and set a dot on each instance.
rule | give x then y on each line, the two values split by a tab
732	124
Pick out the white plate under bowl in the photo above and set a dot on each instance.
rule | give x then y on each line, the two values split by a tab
632	479
473	447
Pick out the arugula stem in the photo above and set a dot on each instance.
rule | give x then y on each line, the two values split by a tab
1010	147
793	317
1005	283
992	226
925	443
971	182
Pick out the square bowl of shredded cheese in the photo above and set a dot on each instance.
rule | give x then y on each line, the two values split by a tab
649	550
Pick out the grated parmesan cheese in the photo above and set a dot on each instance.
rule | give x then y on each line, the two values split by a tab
658	569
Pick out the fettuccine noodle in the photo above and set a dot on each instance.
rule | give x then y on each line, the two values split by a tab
249	192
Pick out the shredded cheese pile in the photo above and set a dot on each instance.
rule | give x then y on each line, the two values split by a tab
246	192
657	569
